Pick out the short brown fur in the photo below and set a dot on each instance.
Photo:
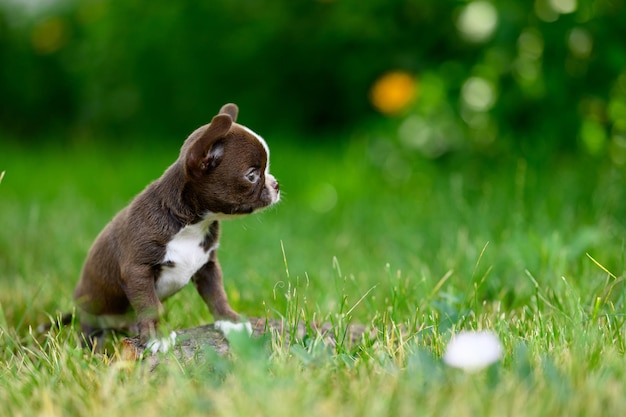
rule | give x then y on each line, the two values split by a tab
208	178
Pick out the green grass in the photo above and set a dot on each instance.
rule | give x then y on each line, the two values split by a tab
367	233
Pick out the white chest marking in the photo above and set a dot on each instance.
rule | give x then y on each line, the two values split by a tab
187	256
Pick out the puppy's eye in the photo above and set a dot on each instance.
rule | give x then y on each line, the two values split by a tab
253	176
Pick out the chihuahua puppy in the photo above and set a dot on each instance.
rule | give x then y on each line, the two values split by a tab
168	235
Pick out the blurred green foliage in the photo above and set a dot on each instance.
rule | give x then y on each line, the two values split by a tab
516	77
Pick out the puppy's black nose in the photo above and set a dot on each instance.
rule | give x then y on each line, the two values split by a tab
275	185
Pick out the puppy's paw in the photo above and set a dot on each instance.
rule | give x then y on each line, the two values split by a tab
162	345
228	327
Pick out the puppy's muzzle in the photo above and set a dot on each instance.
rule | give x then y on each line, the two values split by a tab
273	188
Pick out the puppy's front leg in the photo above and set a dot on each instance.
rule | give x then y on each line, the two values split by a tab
208	282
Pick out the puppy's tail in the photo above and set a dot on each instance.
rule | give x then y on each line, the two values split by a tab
58	322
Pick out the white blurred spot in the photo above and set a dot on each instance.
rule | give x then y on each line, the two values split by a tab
477	21
473	351
478	94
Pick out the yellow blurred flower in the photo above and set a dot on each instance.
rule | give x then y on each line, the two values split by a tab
393	92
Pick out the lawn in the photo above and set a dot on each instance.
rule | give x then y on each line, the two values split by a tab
366	232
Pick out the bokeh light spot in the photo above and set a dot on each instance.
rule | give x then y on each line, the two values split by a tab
530	44
527	65
563	6
393	92
580	43
477	21
545	11
478	94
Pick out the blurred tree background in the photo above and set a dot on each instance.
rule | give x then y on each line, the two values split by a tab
534	78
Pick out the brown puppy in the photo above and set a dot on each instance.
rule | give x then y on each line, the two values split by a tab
168	235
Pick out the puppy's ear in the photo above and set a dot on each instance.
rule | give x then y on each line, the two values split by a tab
206	152
230	109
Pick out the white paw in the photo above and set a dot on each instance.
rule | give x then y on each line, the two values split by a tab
227	327
161	345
